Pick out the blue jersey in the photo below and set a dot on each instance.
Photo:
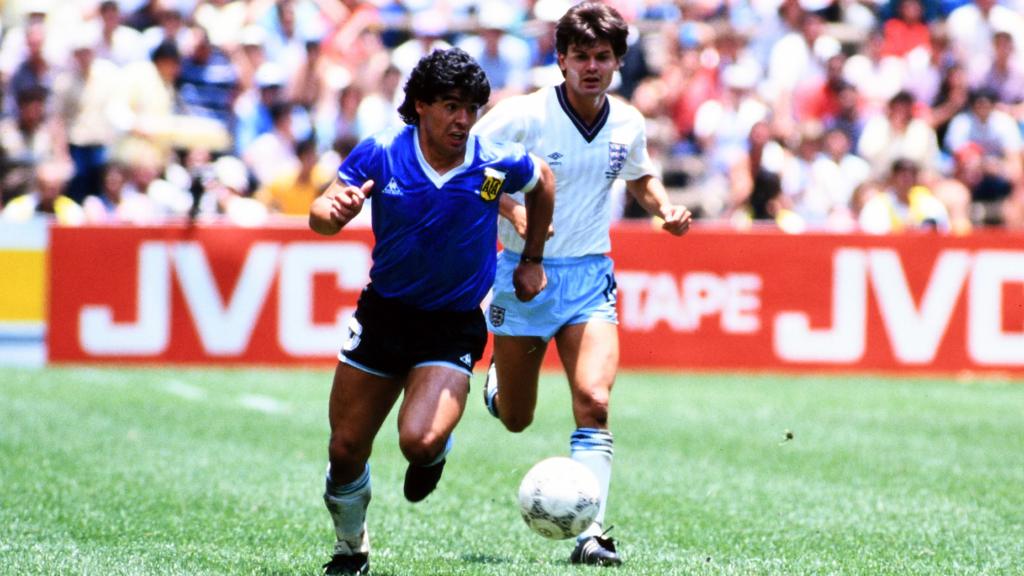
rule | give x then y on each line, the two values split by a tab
436	235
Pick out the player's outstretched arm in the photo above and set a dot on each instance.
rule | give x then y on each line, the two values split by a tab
529	277
337	206
651	194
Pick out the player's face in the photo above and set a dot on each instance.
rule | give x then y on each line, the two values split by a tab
588	69
445	123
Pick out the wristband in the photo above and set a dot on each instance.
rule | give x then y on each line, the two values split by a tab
524	259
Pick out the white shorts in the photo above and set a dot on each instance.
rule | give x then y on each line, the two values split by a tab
578	290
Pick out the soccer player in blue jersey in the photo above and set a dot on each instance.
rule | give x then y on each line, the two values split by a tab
592	139
418	328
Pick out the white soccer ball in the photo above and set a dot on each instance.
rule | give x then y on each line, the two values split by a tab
559	498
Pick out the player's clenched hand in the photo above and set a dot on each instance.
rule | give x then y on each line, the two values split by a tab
347	202
529	280
677	220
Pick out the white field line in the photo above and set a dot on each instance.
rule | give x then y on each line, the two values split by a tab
186	391
264	404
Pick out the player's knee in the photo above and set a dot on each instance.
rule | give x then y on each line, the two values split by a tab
420	448
516	422
593	406
344	452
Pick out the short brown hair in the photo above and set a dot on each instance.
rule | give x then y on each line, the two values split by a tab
591	22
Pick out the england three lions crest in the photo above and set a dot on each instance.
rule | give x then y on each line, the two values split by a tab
493	181
616	159
497	315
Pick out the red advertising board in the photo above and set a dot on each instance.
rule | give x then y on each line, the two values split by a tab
713	299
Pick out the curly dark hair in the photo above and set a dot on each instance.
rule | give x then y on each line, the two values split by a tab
440	73
589	23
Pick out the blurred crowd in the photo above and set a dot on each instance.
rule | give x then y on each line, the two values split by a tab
801	114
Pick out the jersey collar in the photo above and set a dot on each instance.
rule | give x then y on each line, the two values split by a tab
438	179
588	132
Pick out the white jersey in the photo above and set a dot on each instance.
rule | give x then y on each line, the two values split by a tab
586	162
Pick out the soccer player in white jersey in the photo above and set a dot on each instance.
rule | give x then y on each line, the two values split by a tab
589	139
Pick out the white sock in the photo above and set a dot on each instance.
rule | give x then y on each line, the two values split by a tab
593	448
347	504
444	452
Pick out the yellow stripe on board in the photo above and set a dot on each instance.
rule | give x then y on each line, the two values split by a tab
24	294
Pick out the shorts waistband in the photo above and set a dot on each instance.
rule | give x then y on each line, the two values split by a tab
564	261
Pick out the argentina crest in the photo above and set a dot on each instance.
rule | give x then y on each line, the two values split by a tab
493	181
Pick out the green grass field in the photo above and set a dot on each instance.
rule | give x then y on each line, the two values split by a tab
141	471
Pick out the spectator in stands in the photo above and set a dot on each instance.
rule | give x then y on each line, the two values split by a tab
250	55
896	135
504	56
1005	76
225	194
293	191
308	84
766	204
996	170
690	81
289	25
33	71
723	124
116	202
170	27
797	58
224	20
208	82
876	76
428	30
906	31
252	108
951	100
339	119
27	141
84	99
971	27
273	152
905	204
763	153
835	174
146	103
378	109
150	126
925	70
798	157
169	199
353	41
818	97
45	198
17	46
847	114
118	43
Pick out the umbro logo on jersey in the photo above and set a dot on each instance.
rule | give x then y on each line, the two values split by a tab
466	359
392	189
555	158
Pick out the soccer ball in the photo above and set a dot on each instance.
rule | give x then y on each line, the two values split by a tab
559	498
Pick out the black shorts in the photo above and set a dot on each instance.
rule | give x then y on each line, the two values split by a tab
388	338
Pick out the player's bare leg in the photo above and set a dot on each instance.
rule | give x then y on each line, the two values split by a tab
590	355
511	386
435	398
359	404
